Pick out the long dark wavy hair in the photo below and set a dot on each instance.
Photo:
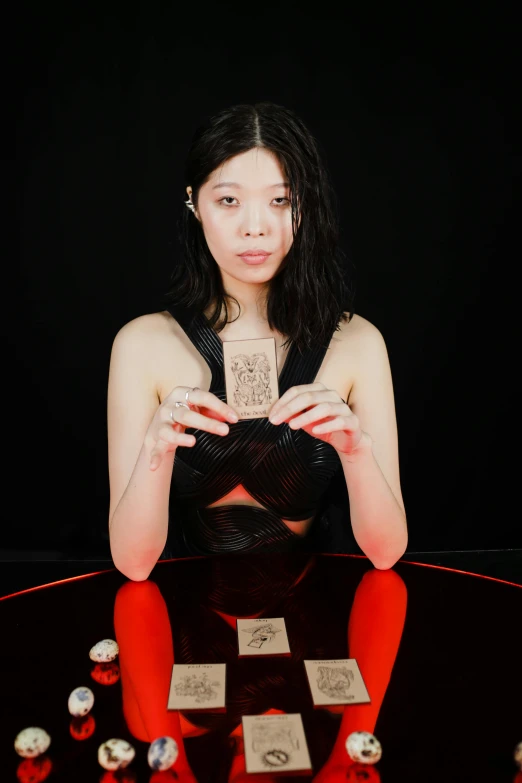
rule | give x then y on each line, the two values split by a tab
310	293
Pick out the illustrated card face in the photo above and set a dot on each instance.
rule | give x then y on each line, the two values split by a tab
262	636
198	686
275	743
336	682
251	376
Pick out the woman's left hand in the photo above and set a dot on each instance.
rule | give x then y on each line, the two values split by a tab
326	417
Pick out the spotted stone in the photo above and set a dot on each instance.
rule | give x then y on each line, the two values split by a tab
163	753
32	742
115	754
363	747
81	701
104	651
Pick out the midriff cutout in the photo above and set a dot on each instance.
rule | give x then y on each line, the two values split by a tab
239	496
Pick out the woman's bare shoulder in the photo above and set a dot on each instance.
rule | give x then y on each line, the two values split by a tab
147	339
144	347
357	338
151	326
355	329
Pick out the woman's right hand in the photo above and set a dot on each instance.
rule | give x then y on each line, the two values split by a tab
167	429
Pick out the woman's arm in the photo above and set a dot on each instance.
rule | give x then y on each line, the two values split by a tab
378	522
372	470
139	497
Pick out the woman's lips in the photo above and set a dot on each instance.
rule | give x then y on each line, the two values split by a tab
254	258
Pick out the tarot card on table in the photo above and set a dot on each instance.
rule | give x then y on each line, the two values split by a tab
197	686
262	636
336	682
275	743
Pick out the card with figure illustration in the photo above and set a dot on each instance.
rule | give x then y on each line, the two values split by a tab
262	636
251	377
197	686
336	682
275	743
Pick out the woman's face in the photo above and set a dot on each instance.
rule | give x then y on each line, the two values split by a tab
245	205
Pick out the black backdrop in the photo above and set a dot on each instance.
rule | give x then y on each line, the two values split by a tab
418	120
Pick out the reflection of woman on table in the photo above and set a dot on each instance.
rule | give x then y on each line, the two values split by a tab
375	622
185	477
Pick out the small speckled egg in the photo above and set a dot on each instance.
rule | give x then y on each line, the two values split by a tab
32	742
363	747
518	755
81	701
115	754
163	753
104	651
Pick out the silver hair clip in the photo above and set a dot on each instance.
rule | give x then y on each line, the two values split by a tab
190	205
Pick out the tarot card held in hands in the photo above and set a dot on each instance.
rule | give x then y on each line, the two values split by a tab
197	686
336	682
262	636
251	380
275	743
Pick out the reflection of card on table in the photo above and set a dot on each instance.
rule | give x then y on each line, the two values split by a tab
262	636
275	743
336	682
251	377
198	686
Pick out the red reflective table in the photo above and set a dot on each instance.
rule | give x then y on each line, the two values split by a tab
439	652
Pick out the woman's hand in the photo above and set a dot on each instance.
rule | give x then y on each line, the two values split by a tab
167	429
326	416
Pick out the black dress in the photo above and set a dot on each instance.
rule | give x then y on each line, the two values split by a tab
287	471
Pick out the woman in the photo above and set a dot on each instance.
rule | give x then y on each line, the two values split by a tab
186	476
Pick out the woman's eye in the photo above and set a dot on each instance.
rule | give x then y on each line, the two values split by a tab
226	201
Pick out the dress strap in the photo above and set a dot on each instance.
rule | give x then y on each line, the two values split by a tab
205	339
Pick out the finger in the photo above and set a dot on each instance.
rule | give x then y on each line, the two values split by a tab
321	411
292	406
339	423
206	399
301	402
164	445
157	454
189	418
294	392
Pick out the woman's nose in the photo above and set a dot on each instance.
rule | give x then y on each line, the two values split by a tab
254	222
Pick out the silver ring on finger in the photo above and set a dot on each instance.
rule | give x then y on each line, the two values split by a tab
190	404
177	405
187	403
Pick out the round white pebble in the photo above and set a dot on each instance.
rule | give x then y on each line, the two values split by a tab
163	753
518	755
363	747
81	701
32	742
115	754
104	651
